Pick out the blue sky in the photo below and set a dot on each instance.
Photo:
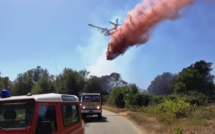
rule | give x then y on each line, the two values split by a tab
54	34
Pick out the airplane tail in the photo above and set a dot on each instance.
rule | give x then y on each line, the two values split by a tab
115	24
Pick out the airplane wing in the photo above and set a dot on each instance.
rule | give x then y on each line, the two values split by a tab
100	28
103	30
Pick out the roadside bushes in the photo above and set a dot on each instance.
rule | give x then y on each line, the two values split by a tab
137	100
128	97
172	109
117	97
168	108
197	98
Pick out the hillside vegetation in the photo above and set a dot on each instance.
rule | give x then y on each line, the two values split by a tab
186	103
179	103
200	120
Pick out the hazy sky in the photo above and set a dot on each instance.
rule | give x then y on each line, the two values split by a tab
54	34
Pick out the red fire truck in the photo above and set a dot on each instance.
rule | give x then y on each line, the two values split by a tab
91	104
40	114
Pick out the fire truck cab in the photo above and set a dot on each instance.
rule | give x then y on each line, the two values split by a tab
91	104
40	114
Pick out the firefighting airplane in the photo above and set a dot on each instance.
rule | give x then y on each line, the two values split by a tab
106	31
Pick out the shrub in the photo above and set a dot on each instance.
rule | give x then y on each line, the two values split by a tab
154	100
122	96
196	98
117	97
172	109
137	100
178	130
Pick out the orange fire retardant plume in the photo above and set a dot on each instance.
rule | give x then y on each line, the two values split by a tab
136	28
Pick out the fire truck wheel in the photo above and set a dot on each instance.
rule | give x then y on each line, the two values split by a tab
100	116
83	116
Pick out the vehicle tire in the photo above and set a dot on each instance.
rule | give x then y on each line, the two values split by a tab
83	116
100	116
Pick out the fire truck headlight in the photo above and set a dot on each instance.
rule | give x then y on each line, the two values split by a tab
83	107
98	107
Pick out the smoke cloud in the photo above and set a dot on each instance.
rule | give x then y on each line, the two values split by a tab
136	28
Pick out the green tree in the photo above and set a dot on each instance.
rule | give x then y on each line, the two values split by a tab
111	81
196	77
117	97
188	79
84	74
123	96
132	89
5	83
204	68
137	100
25	82
93	85
70	82
44	85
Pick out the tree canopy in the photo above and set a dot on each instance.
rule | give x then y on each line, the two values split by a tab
194	80
196	77
38	80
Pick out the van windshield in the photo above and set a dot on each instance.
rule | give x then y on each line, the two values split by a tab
91	98
16	114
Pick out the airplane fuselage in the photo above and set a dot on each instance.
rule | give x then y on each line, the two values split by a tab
106	31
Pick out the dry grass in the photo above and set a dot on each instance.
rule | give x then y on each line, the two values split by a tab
201	122
114	109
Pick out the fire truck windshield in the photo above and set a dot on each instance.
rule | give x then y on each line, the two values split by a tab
16	114
91	98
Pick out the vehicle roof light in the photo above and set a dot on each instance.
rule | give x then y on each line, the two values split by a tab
5	94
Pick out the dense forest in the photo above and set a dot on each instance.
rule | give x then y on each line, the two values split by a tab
38	81
195	82
184	101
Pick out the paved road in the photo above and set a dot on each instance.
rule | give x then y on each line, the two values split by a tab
111	123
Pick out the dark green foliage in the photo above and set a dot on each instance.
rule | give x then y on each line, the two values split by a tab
24	83
39	81
44	85
5	83
196	77
105	99
196	98
93	85
204	68
128	97
188	79
122	95
137	100
117	97
194	83
70	82
155	99
111	81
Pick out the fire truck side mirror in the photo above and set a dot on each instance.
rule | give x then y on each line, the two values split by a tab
45	127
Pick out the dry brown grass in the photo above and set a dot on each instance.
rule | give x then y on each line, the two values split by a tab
114	109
